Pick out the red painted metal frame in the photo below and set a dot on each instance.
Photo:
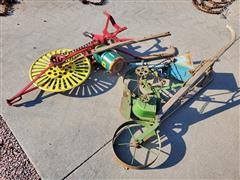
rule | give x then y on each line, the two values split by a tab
97	39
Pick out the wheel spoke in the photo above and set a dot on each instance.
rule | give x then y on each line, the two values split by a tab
126	144
164	152
159	140
131	133
70	74
134	153
147	157
147	154
149	150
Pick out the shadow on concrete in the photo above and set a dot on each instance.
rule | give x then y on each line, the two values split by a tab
99	82
39	99
135	49
128	152
172	130
177	125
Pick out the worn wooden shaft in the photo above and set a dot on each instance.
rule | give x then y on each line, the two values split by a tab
199	73
114	45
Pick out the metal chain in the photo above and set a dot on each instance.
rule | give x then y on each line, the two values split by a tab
89	44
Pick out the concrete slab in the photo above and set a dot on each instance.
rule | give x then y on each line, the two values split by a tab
59	132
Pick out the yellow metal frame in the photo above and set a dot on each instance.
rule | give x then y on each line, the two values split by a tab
72	73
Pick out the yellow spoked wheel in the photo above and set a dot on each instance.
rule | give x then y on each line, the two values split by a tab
68	75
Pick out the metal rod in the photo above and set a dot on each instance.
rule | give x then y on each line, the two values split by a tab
114	45
198	73
26	89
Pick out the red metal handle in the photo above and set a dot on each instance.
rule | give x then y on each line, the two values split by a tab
14	100
26	89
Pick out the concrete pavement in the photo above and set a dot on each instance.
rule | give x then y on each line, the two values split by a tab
60	133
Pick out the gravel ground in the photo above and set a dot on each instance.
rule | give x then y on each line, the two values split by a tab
14	164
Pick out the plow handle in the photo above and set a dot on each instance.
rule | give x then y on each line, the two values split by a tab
198	73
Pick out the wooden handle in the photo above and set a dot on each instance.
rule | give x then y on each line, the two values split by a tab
114	45
201	70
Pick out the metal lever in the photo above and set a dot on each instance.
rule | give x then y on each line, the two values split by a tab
88	34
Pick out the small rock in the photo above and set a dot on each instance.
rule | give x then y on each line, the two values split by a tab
1	141
14	163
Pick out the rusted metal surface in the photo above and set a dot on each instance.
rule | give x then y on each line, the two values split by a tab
212	6
200	73
132	41
138	134
99	44
14	163
133	127
6	6
170	52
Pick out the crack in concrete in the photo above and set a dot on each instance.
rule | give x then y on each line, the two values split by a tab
82	163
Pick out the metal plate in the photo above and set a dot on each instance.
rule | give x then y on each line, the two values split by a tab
72	73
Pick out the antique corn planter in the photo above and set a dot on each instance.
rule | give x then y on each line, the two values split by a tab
151	95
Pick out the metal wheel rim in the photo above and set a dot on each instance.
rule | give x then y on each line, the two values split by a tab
70	74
